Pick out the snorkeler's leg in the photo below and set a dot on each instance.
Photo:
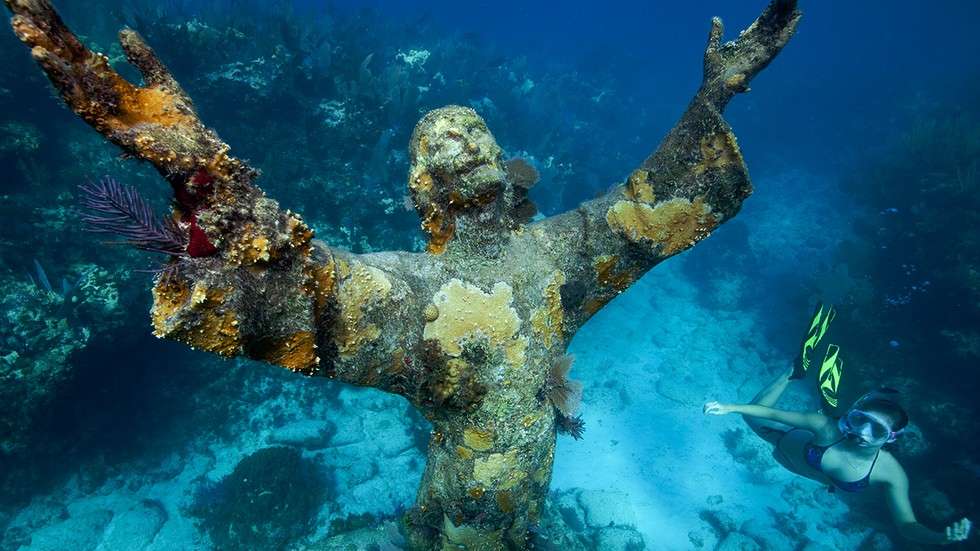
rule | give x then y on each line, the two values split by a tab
768	397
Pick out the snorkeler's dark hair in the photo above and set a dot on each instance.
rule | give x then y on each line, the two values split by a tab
882	403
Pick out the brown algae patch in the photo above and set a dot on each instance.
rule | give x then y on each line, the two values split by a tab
169	295
469	537
366	287
495	468
718	151
549	320
638	187
296	352
199	317
478	439
606	275
675	224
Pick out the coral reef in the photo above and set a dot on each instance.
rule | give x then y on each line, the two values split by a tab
43	326
18	139
37	347
490	306
267	502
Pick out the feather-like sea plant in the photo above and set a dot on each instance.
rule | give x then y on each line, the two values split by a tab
117	209
572	426
563	393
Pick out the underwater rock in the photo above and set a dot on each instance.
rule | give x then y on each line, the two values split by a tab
268	501
913	442
751	452
348	433
579	519
18	138
605	508
384	536
37	341
566	505
308	434
720	521
254	75
562	524
817	546
96	299
737	541
83	531
45	323
133	529
619	538
876	541
727	291
933	505
786	529
390	434
703	538
353	470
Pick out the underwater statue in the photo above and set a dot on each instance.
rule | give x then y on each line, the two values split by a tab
472	332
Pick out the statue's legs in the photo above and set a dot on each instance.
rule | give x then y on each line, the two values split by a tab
478	493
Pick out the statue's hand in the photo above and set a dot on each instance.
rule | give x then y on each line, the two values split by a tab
155	122
729	66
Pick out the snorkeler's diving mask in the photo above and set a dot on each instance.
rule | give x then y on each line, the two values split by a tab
869	426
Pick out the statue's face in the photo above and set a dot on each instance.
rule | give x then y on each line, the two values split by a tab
457	169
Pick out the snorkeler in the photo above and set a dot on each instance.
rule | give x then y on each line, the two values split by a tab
845	453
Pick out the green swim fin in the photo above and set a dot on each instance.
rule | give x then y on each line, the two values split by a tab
819	323
831	369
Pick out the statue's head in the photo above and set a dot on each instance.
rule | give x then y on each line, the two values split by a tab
458	179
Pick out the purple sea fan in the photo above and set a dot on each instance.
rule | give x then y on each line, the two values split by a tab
118	209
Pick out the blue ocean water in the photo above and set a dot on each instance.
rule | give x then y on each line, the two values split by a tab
862	140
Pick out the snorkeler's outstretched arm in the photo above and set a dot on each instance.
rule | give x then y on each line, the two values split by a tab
813	422
694	181
896	484
252	280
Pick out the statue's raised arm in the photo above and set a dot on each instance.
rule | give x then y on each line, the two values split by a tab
252	281
694	181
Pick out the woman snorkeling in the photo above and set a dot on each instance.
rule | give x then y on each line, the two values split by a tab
844	453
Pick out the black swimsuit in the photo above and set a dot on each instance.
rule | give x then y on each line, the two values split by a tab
813	454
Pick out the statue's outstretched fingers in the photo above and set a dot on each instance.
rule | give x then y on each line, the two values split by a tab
37	24
729	66
154	72
712	53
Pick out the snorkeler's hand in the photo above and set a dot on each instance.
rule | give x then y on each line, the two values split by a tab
958	531
717	408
